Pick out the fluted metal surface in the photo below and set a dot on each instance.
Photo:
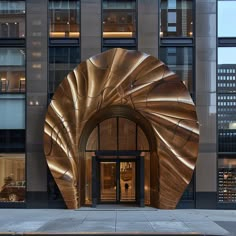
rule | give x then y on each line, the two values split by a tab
135	80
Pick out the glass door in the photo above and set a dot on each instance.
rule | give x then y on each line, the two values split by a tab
117	181
108	181
127	181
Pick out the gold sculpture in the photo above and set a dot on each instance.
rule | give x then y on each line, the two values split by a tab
120	77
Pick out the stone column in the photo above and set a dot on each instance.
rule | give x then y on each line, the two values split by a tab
91	33
206	103
148	23
36	71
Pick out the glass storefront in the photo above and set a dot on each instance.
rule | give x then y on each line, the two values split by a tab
176	18
227	179
64	17
12	177
12	19
119	19
118	175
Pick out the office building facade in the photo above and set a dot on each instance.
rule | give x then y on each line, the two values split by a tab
41	42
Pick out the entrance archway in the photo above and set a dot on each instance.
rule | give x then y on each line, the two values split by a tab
139	83
117	161
113	138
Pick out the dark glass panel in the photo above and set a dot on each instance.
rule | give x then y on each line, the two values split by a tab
189	191
176	18
180	61
62	61
12	140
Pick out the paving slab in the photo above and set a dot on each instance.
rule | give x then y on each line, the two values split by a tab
121	220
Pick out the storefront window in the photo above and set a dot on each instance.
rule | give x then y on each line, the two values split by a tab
180	61
12	177
117	135
119	19
227	180
64	18
12	70
12	19
176	18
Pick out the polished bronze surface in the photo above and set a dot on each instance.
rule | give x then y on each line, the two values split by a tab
135	80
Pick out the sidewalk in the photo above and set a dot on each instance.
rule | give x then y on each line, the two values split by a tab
120	220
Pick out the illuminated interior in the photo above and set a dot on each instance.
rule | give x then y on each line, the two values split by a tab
117	176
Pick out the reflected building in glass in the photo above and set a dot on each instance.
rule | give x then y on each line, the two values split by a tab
42	41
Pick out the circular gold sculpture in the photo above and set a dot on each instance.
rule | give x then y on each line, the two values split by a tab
142	83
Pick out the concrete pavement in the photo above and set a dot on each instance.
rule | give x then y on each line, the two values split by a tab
118	220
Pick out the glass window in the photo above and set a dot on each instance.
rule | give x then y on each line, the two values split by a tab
12	177
180	61
127	128
12	108
226	99
108	134
227	180
12	70
119	19
176	18
64	18
226	17
62	60
12	19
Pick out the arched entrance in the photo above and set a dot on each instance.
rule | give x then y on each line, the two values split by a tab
116	165
122	156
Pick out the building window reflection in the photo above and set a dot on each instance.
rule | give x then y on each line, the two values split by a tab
12	70
61	61
12	177
226	99
119	19
12	19
176	18
180	61
64	18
